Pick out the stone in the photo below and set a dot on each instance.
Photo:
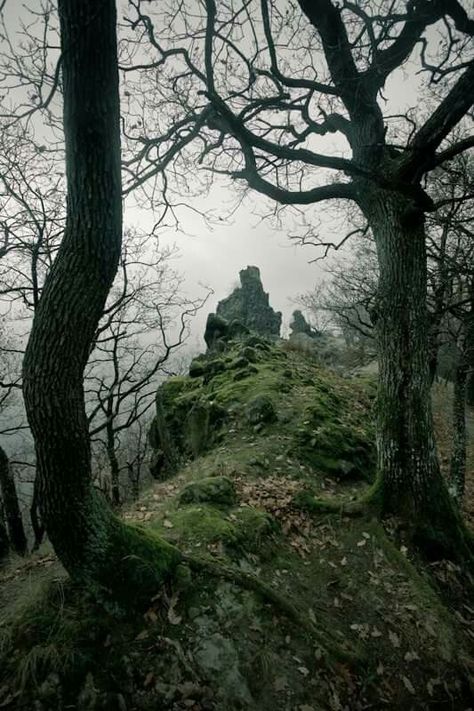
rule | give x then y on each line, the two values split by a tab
300	325
249	305
197	368
215	490
240	362
218	658
213	368
245	372
260	410
249	353
216	328
157	463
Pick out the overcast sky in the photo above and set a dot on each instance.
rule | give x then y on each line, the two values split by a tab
214	257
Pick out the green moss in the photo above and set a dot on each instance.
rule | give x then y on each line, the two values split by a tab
337	436
260	410
196	524
204	524
217	490
139	555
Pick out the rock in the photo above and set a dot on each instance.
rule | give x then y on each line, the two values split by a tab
157	463
254	341
216	328
249	354
249	305
240	362
216	490
237	330
244	373
197	368
300	325
203	419
183	577
219	660
260	410
213	368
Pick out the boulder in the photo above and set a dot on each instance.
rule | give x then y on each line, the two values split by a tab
260	410
215	490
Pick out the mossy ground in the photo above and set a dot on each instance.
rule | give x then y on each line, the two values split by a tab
207	643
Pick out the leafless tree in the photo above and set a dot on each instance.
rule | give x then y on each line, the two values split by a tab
145	323
254	91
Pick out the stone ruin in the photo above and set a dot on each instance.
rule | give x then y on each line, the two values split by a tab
249	305
300	325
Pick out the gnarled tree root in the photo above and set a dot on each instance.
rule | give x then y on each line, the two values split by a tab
250	582
370	503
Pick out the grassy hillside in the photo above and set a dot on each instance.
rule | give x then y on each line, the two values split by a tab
289	609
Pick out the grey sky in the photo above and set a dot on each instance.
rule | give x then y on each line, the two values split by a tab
214	257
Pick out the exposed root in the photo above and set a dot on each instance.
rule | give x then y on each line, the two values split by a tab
369	504
302	619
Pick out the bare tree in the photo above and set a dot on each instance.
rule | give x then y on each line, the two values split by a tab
256	89
146	322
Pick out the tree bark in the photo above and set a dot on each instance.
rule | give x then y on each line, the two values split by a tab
94	546
457	472
410	483
470	349
4	542
14	522
114	465
36	524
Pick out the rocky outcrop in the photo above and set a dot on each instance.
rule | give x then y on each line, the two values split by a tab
300	325
249	305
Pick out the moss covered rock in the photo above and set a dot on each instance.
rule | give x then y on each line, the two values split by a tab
261	410
216	490
197	368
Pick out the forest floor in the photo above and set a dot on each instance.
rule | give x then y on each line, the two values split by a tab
403	629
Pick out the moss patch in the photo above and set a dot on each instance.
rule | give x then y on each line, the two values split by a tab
217	490
199	527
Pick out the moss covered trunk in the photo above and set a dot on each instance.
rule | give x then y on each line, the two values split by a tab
411	483
11	506
90	541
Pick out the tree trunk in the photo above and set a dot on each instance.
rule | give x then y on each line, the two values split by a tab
37	526
16	532
410	481
4	542
93	545
134	479
457	470
114	465
470	349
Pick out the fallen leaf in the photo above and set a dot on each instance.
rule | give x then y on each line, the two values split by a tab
394	639
280	683
408	684
143	635
149	679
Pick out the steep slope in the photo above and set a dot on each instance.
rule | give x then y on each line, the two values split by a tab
278	607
